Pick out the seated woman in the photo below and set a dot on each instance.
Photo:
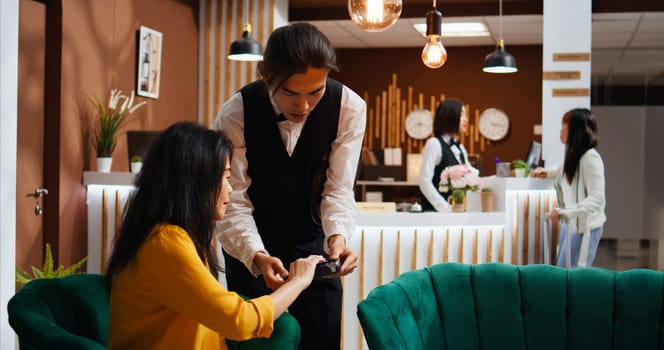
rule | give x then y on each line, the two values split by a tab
164	266
443	150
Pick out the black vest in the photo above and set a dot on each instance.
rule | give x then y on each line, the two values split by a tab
447	159
286	191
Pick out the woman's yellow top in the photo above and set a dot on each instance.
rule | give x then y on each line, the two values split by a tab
169	299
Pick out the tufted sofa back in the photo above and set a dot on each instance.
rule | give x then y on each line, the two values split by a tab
499	306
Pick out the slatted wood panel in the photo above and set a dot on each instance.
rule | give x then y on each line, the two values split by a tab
386	115
221	22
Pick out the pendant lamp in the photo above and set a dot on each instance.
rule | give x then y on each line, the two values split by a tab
374	15
245	48
500	61
434	54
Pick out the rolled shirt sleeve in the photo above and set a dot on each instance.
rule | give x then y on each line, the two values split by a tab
237	231
338	197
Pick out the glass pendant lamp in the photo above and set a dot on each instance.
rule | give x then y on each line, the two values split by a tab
374	15
434	54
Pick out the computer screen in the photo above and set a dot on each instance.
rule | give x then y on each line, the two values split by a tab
534	154
138	142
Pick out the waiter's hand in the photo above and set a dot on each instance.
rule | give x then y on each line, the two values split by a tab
339	250
273	270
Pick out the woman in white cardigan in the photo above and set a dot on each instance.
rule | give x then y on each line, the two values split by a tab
580	183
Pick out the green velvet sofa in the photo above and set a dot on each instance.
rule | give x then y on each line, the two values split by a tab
73	313
498	306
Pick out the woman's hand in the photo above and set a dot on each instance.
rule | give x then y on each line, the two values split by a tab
554	215
539	173
303	269
300	277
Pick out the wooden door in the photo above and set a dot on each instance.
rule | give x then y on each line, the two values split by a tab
30	147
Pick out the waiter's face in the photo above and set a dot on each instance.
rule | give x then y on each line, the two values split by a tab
301	93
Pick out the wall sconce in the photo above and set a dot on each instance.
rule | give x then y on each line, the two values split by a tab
434	54
374	15
245	48
500	61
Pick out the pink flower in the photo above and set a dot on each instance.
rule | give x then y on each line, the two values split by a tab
459	177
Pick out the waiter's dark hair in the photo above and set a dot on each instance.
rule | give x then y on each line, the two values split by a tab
292	49
581	136
448	115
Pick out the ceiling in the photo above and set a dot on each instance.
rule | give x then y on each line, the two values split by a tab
627	46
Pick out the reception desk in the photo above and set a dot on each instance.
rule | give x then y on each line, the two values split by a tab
388	244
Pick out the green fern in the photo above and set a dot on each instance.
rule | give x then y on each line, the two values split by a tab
47	271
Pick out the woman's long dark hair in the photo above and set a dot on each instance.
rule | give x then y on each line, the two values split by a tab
178	184
448	115
581	136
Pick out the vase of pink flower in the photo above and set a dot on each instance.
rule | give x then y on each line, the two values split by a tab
458	179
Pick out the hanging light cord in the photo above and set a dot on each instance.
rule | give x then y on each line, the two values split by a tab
500	17
245	11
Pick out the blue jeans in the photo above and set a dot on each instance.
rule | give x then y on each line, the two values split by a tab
575	246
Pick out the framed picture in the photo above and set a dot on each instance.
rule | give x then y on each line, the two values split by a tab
149	62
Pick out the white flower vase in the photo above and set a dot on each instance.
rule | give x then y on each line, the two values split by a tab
136	167
104	164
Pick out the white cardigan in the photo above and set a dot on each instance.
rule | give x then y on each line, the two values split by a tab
584	199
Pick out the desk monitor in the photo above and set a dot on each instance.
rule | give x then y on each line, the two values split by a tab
534	154
138	142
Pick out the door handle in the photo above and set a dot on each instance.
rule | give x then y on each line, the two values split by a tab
39	192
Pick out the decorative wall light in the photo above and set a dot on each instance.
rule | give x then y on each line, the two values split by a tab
500	61
245	48
374	15
434	54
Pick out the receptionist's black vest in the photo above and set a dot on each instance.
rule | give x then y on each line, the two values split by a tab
447	159
286	190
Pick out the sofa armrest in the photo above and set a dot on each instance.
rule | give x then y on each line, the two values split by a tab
286	335
378	325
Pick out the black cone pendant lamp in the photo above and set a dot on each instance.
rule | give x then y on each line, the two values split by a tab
500	61
245	48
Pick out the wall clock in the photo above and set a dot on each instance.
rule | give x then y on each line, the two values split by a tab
419	124
494	124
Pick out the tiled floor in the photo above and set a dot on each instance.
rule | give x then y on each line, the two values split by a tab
606	258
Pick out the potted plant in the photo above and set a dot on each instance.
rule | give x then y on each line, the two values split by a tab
487	199
136	164
110	119
521	168
47	270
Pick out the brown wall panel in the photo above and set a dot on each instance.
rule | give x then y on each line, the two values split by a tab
518	94
99	52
